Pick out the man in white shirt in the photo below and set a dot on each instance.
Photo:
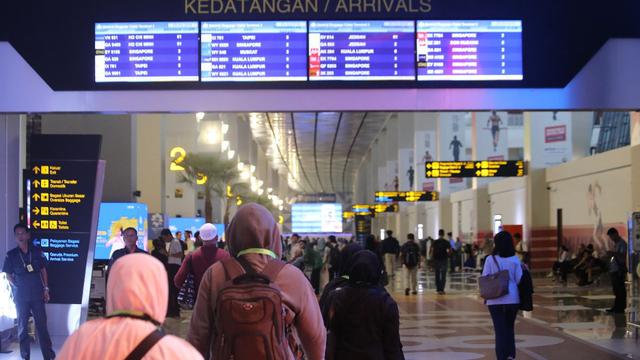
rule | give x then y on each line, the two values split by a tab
174	249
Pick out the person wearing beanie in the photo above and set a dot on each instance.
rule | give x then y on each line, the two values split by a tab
202	258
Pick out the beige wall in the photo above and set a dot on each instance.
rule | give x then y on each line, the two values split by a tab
609	176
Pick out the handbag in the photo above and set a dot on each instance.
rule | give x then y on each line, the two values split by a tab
494	285
187	294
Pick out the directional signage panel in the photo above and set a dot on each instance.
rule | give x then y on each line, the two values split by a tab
406	196
59	198
363	228
471	169
360	209
59	208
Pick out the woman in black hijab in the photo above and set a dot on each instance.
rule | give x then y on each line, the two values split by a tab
363	319
339	281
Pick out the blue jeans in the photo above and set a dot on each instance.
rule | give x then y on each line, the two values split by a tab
504	318
440	267
35	308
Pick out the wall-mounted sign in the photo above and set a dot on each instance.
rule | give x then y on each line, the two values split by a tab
406	196
471	169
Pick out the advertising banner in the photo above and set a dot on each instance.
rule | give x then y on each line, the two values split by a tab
551	138
407	171
425	147
453	144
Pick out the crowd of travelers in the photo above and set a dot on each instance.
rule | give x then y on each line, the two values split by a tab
267	296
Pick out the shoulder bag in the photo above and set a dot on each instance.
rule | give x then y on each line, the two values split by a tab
494	285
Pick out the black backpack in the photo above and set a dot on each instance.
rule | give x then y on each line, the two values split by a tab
334	257
411	256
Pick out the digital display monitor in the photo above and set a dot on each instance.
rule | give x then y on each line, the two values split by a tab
146	52
115	217
254	51
471	169
361	50
316	218
192	224
469	50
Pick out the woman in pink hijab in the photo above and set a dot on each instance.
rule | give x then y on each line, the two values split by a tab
137	294
253	236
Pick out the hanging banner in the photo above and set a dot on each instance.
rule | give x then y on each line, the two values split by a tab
452	128
407	172
492	135
393	181
425	149
551	139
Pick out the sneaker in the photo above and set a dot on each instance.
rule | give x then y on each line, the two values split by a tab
406	292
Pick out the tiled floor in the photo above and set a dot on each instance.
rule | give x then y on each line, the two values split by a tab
568	322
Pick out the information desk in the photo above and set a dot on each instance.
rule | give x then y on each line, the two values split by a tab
471	169
146	52
406	196
361	50
469	50
254	51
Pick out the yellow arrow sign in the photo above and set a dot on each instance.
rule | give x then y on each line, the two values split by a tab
36	197
478	173
36	183
35	224
36	169
428	166
36	211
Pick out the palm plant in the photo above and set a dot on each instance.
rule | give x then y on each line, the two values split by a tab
217	175
250	197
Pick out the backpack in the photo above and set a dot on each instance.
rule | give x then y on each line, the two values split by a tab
334	257
411	256
250	317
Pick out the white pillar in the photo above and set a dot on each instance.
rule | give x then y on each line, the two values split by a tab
10	175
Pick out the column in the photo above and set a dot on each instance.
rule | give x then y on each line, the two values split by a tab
10	176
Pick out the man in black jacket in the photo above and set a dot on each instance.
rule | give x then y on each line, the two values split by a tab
390	251
440	251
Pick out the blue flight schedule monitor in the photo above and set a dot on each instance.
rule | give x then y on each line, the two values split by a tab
361	50
469	50
254	51
146	52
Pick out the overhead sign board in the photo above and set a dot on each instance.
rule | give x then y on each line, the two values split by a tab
407	196
471	169
360	209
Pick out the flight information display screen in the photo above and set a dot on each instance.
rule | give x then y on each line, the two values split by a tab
469	50
316	218
361	50
254	51
146	52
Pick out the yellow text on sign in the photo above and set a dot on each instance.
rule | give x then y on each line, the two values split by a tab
177	155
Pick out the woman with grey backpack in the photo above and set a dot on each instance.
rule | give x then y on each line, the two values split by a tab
499	287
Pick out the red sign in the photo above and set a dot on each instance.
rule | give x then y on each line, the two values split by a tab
428	186
555	133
